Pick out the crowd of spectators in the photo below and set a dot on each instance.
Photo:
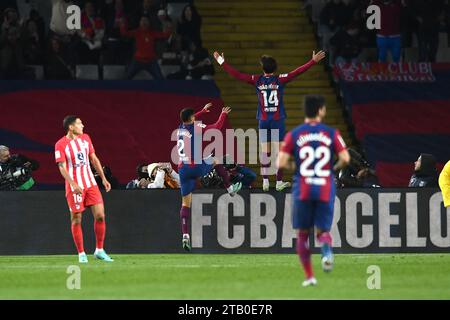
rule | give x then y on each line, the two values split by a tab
139	34
418	24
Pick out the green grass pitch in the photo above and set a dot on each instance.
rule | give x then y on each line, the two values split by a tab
230	276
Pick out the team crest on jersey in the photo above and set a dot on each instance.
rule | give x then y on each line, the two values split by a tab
77	206
80	156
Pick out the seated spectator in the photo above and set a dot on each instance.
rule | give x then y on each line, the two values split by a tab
346	44
92	33
149	9
189	27
198	66
425	173
10	20
58	27
39	22
117	50
32	44
155	176
329	21
12	60
114	13
389	36
145	56
428	15
172	54
56	65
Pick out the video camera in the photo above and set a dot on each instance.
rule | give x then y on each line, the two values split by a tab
14	173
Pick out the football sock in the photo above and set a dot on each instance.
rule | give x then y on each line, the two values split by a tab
279	175
265	165
220	169
325	241
304	253
99	229
77	234
185	214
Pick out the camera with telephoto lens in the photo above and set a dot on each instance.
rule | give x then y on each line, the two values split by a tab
13	174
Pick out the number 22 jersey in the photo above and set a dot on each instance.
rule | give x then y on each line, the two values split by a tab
313	145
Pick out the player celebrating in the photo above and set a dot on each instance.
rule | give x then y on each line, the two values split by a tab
271	113
191	166
73	153
312	146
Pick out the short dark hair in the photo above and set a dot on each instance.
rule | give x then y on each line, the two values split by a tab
186	114
312	104
139	169
68	121
268	64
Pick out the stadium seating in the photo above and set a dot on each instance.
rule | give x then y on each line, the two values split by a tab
241	30
396	121
87	72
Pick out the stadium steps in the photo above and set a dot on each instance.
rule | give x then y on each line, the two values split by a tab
246	29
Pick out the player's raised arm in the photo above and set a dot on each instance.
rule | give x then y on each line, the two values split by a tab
204	110
316	58
248	78
98	167
219	123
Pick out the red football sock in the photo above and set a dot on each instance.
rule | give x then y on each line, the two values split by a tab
325	237
185	214
77	234
99	229
304	253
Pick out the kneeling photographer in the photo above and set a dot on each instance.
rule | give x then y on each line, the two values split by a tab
357	174
16	171
238	173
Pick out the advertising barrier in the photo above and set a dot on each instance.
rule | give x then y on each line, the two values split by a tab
147	221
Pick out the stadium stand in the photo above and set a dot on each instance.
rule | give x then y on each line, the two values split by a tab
241	30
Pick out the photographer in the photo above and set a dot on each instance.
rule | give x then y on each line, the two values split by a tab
357	174
237	173
15	171
155	176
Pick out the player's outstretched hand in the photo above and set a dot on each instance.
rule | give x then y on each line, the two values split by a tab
318	56
219	58
207	106
107	185
226	110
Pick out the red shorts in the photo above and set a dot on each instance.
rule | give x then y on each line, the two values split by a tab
79	202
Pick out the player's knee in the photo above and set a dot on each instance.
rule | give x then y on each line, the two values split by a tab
76	220
100	217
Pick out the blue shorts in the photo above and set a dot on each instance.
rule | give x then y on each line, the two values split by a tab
310	213
266	135
189	175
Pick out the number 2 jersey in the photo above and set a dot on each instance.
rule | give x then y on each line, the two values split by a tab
269	90
313	145
75	153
